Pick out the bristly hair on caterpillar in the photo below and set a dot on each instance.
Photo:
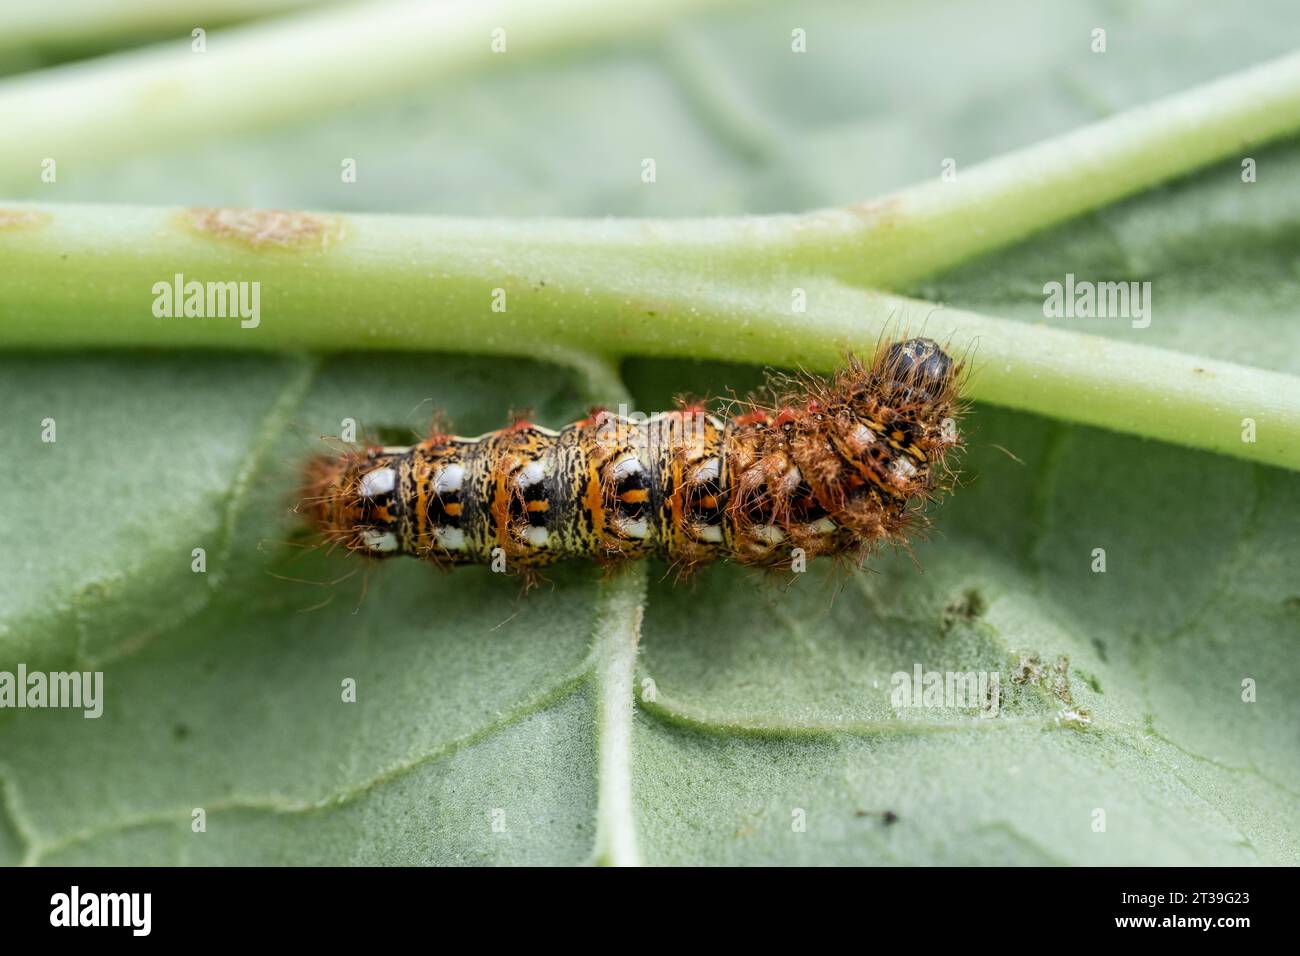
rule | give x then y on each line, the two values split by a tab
824	467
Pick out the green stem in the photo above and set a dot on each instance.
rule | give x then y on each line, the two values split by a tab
85	276
87	112
323	61
927	228
94	24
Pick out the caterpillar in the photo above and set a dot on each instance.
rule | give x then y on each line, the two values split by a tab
826	467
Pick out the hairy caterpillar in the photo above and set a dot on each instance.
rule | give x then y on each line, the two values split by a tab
830	468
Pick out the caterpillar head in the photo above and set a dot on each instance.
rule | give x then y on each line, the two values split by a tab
916	370
350	499
897	419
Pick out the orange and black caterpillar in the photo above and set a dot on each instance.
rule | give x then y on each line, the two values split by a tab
832	468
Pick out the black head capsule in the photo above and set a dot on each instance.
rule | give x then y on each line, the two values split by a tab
918	368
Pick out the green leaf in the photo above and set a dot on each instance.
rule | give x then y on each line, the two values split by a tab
758	705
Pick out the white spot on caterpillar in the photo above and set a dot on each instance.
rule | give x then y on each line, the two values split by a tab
378	482
382	541
449	480
634	529
537	537
822	526
711	533
863	435
769	534
709	471
791	479
902	467
627	465
530	474
449	539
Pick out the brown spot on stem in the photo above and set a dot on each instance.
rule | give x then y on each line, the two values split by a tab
262	228
878	212
23	219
